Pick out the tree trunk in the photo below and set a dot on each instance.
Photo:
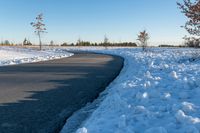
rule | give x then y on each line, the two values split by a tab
40	40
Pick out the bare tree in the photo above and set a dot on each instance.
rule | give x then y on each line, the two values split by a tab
79	41
106	41
192	11
143	37
39	27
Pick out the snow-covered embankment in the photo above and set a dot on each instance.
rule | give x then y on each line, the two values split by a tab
14	55
156	92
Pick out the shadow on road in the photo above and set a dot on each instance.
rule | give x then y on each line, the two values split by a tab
39	97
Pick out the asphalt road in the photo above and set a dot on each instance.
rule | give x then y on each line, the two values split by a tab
39	97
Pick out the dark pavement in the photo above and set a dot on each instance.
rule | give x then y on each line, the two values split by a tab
39	97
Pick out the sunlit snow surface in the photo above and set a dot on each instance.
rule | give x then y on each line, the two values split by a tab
14	55
157	92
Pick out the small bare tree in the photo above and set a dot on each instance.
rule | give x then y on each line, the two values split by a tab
39	27
143	37
192	11
79	41
106	41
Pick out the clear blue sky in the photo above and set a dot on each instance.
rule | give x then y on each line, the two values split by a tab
67	20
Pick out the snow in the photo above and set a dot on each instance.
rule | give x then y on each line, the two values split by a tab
82	130
156	92
14	55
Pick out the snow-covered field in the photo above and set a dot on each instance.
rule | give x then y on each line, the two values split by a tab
14	55
156	92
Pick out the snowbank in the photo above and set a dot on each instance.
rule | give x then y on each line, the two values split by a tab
14	55
156	92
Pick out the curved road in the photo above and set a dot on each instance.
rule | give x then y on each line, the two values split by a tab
39	97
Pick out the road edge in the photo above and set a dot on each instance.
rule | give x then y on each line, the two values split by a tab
78	118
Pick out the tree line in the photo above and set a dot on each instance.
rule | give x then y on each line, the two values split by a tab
6	43
109	44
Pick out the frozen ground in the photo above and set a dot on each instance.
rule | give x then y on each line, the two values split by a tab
156	92
14	55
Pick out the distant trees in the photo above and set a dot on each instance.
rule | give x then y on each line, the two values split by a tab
51	43
191	41
143	37
87	43
84	43
26	42
6	43
67	44
64	44
118	44
78	41
124	44
39	27
192	12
